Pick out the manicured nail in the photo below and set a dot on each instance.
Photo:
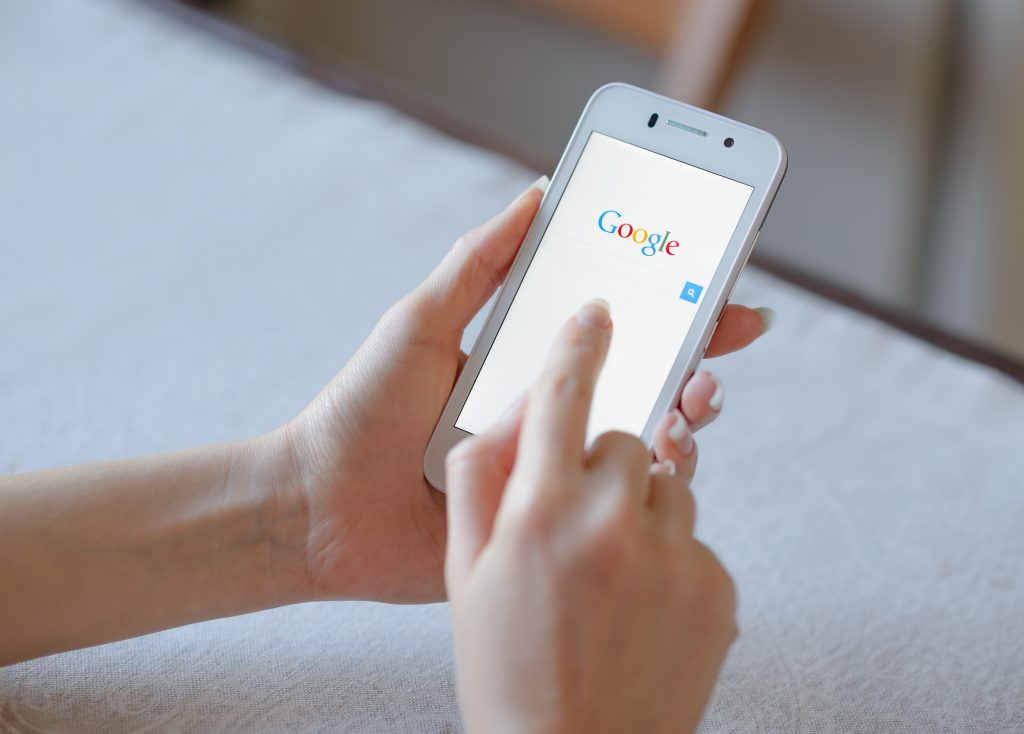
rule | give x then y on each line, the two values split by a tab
679	432
718	397
767	316
664	467
595	312
541	183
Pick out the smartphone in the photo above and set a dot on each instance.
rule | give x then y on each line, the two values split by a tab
655	206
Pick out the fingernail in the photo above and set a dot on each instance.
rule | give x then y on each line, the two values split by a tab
718	397
679	432
664	467
541	184
595	312
767	316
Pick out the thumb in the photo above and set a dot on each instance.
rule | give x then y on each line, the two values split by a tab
476	473
476	265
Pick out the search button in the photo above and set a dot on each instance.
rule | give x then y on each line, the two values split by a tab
691	292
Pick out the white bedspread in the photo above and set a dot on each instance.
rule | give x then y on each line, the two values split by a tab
192	242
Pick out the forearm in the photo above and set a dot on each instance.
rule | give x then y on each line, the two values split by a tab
97	553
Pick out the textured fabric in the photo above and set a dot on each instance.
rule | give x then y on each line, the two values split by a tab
193	241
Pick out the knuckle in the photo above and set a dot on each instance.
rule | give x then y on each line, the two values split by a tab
586	544
468	264
687	468
621	446
539	517
617	519
620	438
535	518
600	555
635	450
405	310
465	241
579	345
611	531
561	386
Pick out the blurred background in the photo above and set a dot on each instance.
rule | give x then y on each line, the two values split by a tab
204	207
902	119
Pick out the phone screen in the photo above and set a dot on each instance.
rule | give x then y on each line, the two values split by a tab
643	231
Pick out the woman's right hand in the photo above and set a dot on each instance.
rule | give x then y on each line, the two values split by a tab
581	600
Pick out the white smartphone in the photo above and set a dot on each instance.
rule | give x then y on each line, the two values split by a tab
655	207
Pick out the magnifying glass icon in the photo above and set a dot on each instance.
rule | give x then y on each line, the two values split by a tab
691	292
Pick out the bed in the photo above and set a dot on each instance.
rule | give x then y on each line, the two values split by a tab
193	239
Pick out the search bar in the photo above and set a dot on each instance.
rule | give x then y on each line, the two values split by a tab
624	265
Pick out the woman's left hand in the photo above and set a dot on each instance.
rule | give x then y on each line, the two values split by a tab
375	528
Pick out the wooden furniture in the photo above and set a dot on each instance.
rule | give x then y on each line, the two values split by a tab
699	43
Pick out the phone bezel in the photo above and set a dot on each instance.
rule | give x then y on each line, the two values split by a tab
622	111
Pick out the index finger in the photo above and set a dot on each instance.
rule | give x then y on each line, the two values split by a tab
555	426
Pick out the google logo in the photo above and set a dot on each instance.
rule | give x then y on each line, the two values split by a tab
609	223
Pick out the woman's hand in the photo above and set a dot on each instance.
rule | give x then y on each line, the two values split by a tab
376	529
331	505
581	600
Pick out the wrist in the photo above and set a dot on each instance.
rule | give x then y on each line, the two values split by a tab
114	550
261	475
